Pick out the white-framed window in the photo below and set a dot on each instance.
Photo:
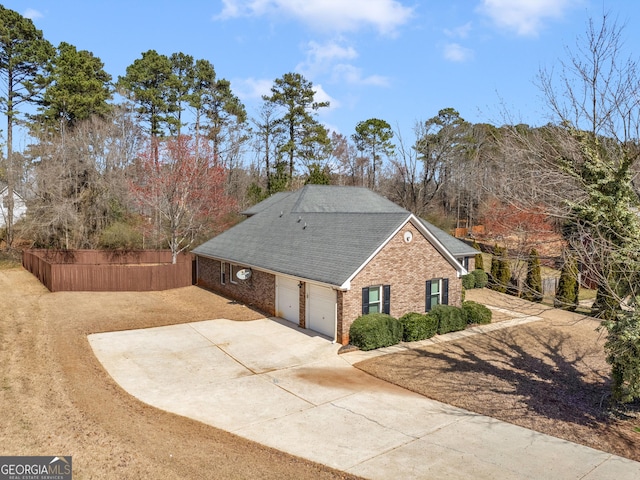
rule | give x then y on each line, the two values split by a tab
437	293
232	273
223	273
376	299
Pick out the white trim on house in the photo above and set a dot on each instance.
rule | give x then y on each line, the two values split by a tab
426	233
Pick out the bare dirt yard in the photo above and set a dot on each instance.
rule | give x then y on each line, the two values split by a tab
56	399
550	376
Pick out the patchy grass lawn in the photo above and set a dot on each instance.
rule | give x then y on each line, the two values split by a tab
550	376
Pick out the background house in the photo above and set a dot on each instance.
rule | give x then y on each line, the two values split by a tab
324	255
19	206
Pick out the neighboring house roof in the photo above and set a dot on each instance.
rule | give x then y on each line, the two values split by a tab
457	247
16	192
320	233
19	207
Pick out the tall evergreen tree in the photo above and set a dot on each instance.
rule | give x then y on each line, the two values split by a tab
24	54
181	86
227	118
269	136
150	84
77	88
373	138
295	95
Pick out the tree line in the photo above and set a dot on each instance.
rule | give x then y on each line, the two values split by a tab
166	155
90	136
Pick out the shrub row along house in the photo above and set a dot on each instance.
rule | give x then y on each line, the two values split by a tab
324	255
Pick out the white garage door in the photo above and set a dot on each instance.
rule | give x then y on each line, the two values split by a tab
322	310
288	300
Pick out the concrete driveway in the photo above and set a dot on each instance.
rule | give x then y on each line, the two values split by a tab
274	383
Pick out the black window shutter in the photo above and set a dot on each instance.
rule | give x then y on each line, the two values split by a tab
386	299
445	291
427	306
365	300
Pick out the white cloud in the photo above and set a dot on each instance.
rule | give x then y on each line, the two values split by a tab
353	75
333	15
32	14
329	58
525	17
459	32
252	88
321	57
455	52
322	96
330	51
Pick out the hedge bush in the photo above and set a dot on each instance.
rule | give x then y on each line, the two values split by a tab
418	326
375	330
468	281
450	318
481	277
475	312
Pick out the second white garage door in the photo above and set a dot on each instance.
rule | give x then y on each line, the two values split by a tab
288	299
321	310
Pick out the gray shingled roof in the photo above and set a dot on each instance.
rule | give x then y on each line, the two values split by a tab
320	233
457	247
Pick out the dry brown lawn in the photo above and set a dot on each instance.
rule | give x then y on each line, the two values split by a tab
56	399
550	376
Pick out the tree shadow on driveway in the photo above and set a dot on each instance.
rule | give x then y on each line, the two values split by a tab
548	376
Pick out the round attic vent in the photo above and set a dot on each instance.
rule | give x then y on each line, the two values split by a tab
408	236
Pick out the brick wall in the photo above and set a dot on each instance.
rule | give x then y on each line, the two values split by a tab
404	266
257	292
302	301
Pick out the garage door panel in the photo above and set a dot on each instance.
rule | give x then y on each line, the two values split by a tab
322	310
288	306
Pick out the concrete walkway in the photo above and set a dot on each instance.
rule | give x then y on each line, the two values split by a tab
276	384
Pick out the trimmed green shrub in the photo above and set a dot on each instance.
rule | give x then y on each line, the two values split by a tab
375	330
481	277
532	290
468	281
500	270
479	261
475	312
450	318
418	326
568	286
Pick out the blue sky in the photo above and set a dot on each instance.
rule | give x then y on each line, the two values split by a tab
398	60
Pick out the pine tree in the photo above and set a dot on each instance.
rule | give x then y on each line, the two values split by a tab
568	286
295	95
78	88
500	270
24	55
533	284
479	261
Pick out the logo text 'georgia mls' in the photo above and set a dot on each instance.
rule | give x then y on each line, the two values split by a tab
35	468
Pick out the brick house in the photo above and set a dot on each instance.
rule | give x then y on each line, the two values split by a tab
324	255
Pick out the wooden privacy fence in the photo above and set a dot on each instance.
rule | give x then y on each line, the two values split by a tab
108	271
